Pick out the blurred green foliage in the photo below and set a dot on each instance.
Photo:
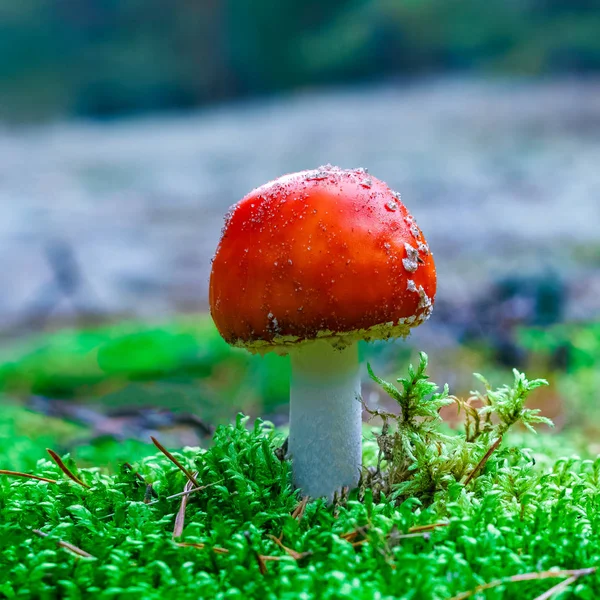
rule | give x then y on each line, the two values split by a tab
108	57
30	433
184	365
577	348
26	435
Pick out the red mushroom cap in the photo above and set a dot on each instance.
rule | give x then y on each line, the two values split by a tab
328	253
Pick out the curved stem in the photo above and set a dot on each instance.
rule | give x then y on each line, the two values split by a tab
325	442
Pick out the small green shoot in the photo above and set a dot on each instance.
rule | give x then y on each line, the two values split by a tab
420	458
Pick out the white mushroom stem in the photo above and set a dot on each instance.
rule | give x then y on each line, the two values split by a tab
325	441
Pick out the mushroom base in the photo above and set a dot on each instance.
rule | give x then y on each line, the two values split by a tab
325	441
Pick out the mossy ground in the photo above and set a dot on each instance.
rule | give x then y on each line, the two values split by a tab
247	534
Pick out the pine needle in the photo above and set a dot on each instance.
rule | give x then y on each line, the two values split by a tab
215	549
27	475
185	492
482	462
559	587
427	527
576	573
295	555
61	465
183	469
178	495
180	518
66	545
298	512
130	468
351	535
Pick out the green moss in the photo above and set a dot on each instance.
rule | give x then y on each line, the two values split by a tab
420	458
516	516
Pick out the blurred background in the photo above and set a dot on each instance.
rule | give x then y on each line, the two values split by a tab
127	128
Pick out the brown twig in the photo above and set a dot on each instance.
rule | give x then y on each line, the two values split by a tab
427	527
180	518
559	587
295	555
355	532
185	492
298	512
262	567
260	560
215	549
130	468
178	495
61	465
263	560
183	469
66	545
27	475
422	531
415	532
482	462
351	535
575	573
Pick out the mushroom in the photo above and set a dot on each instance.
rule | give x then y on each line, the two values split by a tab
308	265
